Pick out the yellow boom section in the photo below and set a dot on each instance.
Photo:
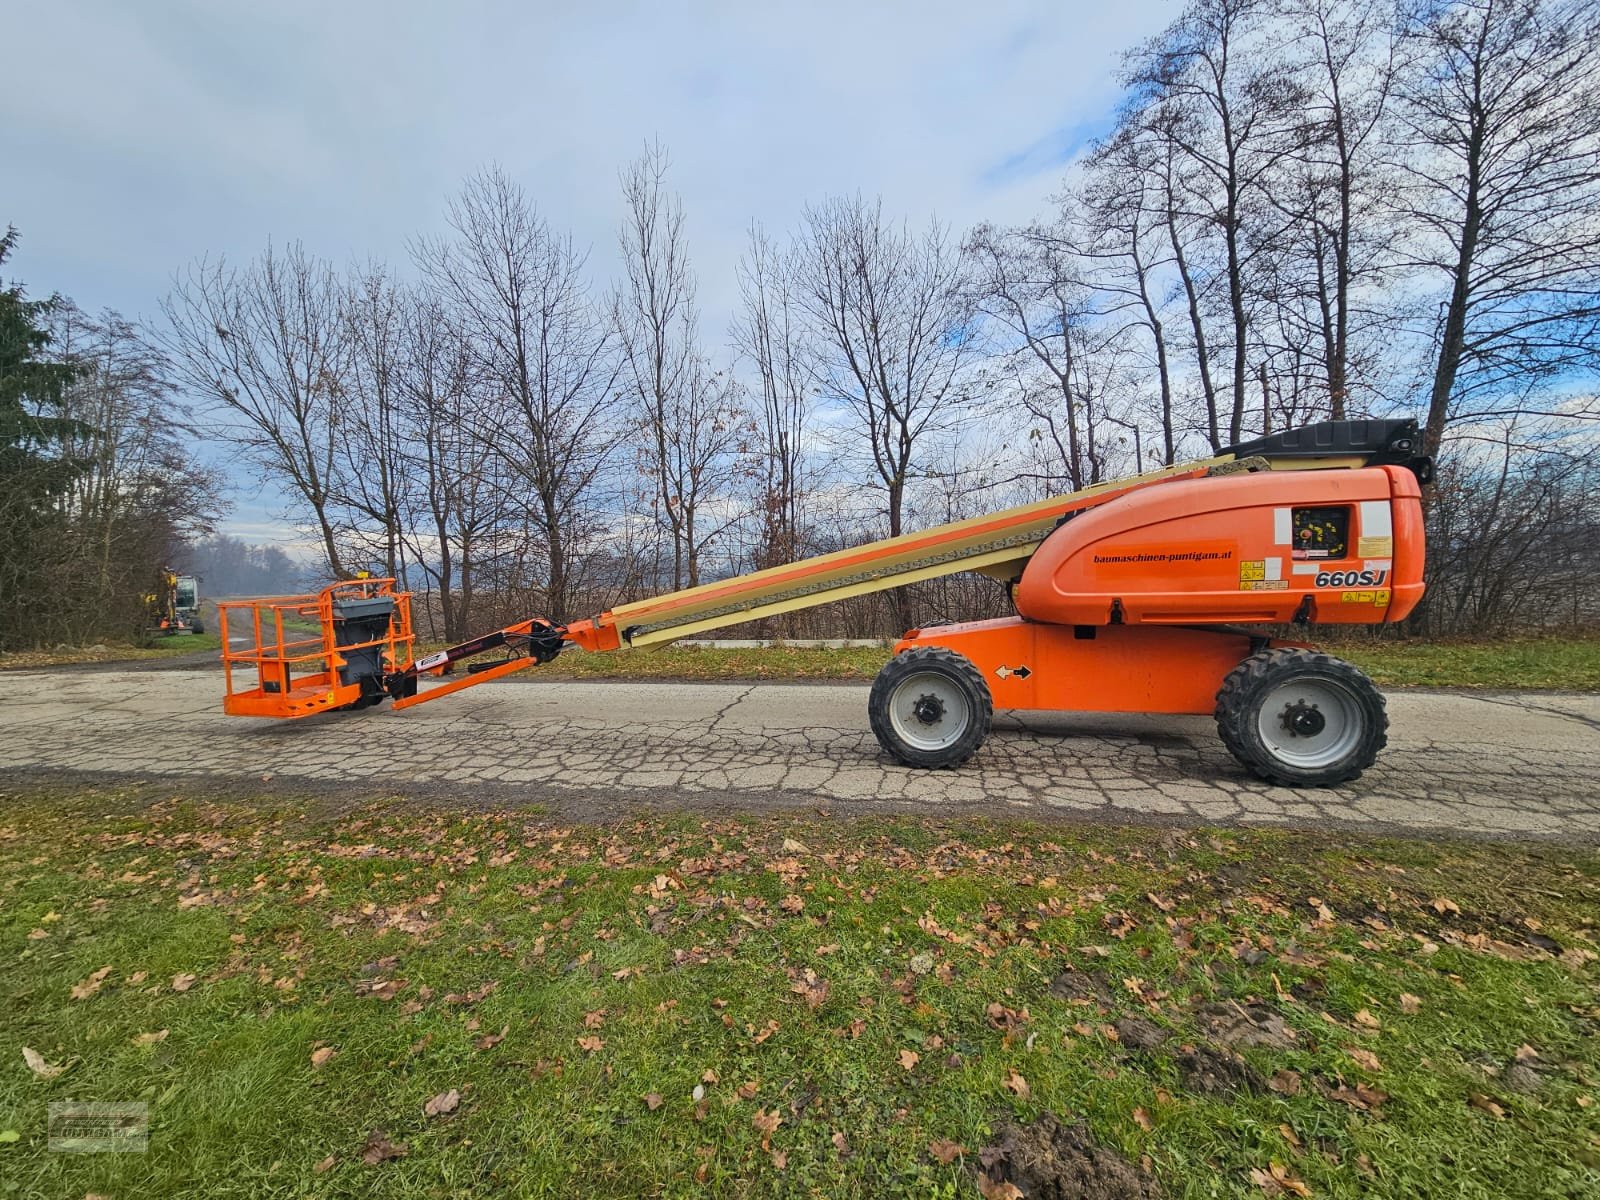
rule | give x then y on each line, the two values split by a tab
996	544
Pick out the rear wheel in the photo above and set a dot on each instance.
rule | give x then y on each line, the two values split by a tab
930	708
1301	718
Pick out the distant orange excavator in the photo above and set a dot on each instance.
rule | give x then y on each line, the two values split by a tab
1148	594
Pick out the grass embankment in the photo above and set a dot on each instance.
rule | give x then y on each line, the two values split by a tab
403	1001
161	647
1562	663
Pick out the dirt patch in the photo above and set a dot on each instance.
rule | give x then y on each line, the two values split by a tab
1048	1160
1082	987
1138	1034
1235	1025
1209	1071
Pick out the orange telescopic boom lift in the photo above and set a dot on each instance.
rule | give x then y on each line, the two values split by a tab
1147	594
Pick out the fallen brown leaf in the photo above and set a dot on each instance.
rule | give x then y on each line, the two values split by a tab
1141	1119
591	1044
379	1149
1484	1104
91	985
325	1165
998	1189
909	1059
945	1150
38	1066
150	1039
1364	1059
321	1055
767	1123
1016	1083
1277	1180
182	982
1285	1082
443	1104
1409	1004
652	1100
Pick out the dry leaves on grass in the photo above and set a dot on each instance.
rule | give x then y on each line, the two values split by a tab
1365	1059
490	1040
379	1149
909	1059
946	1151
653	1101
91	985
182	982
150	1039
767	1124
998	1189
1409	1004
592	1044
1016	1083
322	1055
1482	1103
1278	1180
38	1065
443	1104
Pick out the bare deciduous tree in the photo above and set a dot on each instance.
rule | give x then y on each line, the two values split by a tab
519	290
687	415
268	348
770	335
894	331
1501	105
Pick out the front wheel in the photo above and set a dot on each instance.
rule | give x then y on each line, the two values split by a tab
930	708
1301	718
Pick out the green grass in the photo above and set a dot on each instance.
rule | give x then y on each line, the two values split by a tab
705	662
1415	970
1562	663
158	647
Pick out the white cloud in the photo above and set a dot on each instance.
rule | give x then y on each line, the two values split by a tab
145	135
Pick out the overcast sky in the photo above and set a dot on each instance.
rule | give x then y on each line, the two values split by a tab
139	136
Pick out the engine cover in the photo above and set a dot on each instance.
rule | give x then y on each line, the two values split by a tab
1335	546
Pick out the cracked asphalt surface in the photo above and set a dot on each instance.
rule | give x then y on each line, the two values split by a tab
1496	765
1499	765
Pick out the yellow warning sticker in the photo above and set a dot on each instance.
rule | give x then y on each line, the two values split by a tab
1374	547
1253	570
1379	597
1263	585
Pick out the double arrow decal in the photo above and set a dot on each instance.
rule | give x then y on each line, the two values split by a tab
1007	672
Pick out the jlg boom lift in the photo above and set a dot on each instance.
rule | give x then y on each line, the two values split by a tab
1150	594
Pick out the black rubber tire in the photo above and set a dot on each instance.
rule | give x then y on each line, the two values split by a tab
1250	684
961	674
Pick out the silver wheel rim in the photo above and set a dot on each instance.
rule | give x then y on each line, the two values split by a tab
928	711
1310	722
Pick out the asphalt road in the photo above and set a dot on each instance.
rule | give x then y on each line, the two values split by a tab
1497	764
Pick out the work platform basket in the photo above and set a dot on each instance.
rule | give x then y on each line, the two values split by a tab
292	656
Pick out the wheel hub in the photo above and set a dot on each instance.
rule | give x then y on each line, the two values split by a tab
928	709
1303	720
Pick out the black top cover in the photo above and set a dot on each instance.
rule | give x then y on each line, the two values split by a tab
1395	441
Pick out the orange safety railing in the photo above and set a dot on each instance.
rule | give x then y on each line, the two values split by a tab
284	656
